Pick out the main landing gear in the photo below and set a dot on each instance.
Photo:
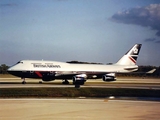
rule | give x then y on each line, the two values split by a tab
65	81
76	83
40	82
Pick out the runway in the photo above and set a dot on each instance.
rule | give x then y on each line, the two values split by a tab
78	109
137	83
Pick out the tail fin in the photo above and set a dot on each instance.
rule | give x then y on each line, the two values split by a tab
130	58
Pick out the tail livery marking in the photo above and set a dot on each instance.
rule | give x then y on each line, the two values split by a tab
132	59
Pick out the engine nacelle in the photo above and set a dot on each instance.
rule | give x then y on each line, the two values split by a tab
79	79
109	77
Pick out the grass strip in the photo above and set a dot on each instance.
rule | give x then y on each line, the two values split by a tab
72	92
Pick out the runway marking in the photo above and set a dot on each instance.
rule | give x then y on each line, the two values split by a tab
77	99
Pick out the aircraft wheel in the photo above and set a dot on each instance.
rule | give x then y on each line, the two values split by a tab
40	82
23	82
77	85
65	82
73	82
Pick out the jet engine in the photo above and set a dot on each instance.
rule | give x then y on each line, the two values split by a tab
109	77
79	79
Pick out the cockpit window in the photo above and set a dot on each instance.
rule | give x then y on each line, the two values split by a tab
20	62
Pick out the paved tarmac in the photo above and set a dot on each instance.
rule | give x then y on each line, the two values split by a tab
137	83
78	109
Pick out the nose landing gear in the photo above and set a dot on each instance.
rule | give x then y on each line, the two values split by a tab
23	81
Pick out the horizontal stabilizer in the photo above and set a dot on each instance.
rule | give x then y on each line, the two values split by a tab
151	71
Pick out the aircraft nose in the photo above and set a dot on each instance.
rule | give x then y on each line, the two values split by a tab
9	69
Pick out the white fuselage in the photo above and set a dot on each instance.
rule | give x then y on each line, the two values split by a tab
30	65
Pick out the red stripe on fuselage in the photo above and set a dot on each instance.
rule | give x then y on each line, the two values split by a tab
39	74
133	60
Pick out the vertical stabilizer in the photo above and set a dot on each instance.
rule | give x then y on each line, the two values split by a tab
130	58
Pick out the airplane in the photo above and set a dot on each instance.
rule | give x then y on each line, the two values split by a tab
79	73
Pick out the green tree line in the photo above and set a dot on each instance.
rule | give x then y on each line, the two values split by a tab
3	69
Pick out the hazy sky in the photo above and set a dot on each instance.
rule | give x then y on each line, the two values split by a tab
84	30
